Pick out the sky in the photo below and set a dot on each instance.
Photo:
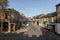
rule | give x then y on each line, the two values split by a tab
32	8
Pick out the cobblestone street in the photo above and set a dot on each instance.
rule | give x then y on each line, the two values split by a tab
33	33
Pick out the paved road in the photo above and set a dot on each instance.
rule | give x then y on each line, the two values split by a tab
33	30
33	33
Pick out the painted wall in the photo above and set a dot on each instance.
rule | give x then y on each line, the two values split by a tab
57	28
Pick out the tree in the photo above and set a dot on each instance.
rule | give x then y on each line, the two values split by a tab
3	4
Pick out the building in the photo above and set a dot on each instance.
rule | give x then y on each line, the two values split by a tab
38	20
23	20
57	25
9	20
51	19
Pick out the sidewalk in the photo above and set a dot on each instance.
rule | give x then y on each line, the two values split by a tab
53	35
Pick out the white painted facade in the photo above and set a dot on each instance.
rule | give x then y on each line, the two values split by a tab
57	28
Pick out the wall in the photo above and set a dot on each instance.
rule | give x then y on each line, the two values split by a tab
57	28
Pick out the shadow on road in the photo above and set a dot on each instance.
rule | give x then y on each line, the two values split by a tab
22	36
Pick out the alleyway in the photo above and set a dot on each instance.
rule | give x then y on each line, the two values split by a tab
33	33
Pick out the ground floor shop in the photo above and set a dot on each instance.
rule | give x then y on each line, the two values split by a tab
6	26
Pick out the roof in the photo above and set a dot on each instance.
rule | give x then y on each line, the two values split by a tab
22	17
53	14
10	10
39	16
58	4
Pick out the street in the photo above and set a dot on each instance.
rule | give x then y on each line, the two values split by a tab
29	19
34	32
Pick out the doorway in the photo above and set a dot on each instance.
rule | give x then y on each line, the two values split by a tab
5	26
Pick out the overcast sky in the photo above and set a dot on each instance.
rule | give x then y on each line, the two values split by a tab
31	8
